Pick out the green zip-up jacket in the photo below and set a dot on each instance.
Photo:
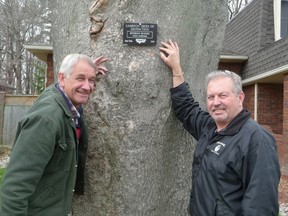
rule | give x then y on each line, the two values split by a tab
46	160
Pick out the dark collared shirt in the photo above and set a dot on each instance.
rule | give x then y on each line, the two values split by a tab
75	112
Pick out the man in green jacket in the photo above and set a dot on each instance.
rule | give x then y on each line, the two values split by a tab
49	153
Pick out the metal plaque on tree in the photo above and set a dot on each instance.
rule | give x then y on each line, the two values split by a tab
140	34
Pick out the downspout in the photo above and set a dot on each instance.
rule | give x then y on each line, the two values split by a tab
255	101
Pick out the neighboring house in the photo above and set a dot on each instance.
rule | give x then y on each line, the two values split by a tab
13	107
45	54
256	47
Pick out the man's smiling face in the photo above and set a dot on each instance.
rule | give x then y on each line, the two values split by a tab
222	103
80	84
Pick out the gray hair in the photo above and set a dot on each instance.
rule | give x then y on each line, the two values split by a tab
71	60
236	79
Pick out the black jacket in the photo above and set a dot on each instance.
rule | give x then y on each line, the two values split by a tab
236	171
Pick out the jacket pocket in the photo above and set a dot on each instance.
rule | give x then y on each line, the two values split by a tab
63	155
40	200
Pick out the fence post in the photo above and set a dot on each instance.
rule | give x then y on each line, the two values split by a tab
2	101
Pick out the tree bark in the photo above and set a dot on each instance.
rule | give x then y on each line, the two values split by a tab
139	160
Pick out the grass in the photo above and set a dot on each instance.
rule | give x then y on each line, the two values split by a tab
2	170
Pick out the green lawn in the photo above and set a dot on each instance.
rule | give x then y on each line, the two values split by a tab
2	170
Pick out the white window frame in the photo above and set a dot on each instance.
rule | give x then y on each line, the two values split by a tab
277	19
285	34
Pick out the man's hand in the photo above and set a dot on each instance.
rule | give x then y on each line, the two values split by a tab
170	55
101	68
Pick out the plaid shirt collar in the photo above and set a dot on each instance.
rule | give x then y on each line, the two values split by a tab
74	111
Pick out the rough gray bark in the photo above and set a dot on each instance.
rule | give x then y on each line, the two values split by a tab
139	156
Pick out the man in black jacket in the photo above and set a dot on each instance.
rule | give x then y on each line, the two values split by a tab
235	166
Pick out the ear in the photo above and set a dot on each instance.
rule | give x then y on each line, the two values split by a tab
61	78
241	97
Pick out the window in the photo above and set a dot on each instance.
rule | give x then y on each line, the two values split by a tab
284	18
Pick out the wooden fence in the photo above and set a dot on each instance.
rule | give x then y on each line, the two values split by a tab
12	109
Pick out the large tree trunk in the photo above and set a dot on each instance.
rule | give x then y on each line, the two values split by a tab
140	157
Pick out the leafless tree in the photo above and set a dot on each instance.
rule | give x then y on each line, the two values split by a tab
234	6
21	22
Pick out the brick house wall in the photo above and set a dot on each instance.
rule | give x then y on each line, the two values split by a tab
270	106
284	146
49	70
249	99
231	67
282	153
